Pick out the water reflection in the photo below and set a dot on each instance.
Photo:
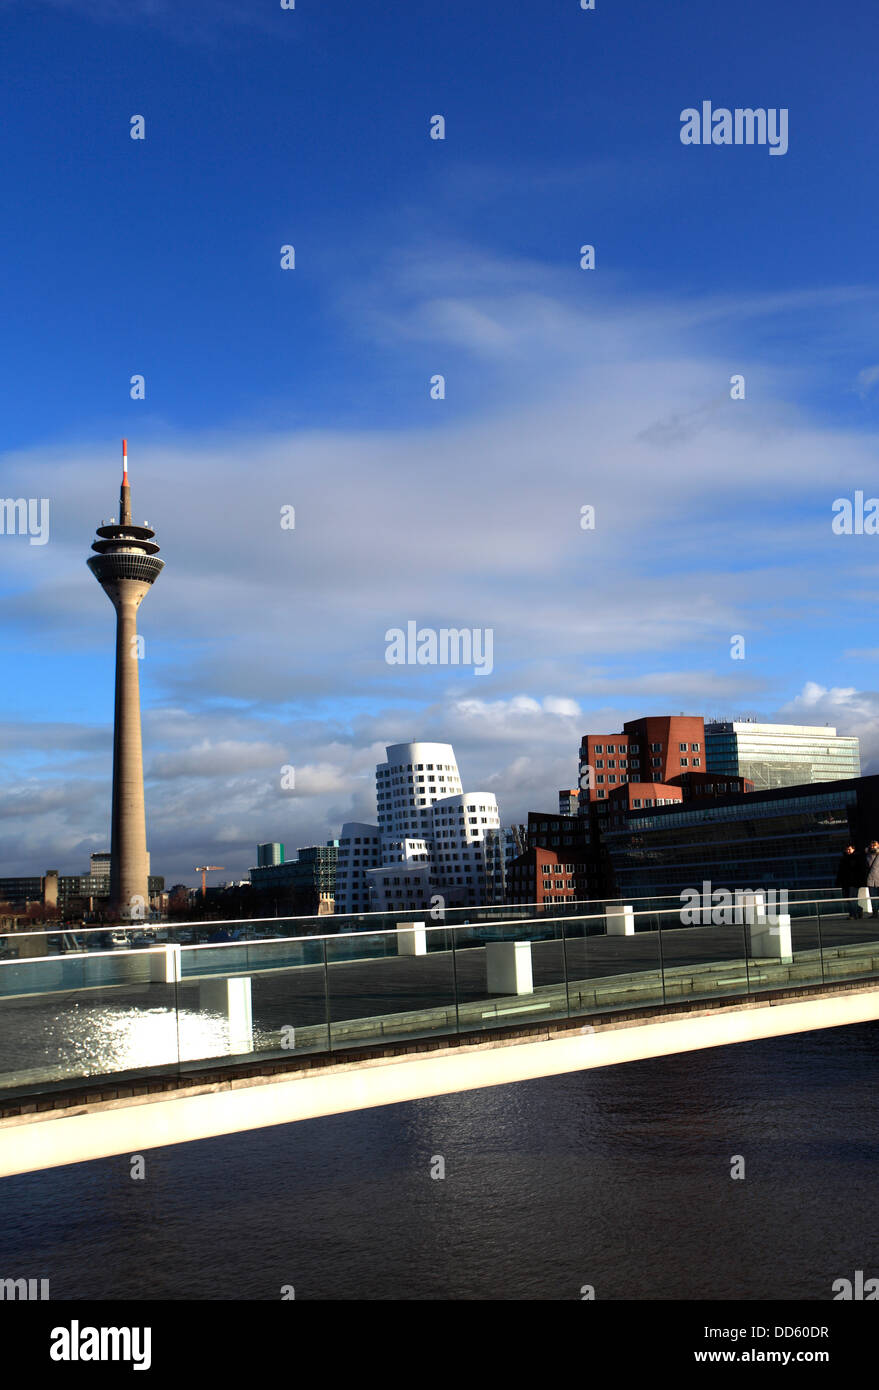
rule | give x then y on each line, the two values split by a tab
78	1039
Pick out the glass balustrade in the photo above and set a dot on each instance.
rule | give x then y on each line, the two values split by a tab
74	1012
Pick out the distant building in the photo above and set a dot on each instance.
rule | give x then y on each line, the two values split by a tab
99	874
576	843
685	788
569	801
429	843
653	749
698	786
635	796
270	853
781	755
68	897
786	837
500	848
304	886
544	876
360	849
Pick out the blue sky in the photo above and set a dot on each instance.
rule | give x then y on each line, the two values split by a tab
310	388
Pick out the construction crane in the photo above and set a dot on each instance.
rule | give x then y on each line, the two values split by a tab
204	870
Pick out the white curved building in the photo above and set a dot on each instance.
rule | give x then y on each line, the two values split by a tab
429	842
359	850
408	784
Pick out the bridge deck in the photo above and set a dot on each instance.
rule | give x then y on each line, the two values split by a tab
114	1026
90	1121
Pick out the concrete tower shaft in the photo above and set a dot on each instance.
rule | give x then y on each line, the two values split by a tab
126	565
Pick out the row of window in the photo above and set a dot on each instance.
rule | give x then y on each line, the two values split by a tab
527	870
419	767
601	748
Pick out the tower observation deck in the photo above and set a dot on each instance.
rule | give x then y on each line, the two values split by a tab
126	565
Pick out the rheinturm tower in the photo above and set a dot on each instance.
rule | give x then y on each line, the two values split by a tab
126	565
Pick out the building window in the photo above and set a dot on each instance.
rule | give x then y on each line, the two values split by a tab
599	748
684	747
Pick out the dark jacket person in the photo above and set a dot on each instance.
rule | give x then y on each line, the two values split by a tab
852	871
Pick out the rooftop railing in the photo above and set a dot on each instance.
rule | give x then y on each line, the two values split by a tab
72	937
174	1008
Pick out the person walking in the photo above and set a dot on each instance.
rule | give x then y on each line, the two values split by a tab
872	879
851	876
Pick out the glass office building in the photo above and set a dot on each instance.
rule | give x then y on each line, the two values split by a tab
788	838
270	853
780	755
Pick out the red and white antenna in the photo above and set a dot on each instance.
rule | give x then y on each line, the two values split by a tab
125	463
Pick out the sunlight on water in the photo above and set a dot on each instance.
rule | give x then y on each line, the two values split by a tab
82	1040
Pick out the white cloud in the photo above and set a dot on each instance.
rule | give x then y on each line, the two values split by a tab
867	379
848	710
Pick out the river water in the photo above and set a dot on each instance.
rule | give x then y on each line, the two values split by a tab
617	1178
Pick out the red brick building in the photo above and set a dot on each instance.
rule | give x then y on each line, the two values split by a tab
544	876
654	749
699	786
638	796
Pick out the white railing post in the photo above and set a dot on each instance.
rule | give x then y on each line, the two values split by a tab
508	967
620	921
411	939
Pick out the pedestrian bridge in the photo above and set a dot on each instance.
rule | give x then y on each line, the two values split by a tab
116	1052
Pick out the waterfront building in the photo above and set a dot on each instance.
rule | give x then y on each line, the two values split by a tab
781	755
126	565
653	749
544	876
637	796
576	843
784	837
430	840
360	849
